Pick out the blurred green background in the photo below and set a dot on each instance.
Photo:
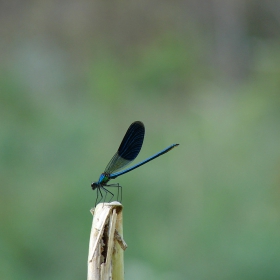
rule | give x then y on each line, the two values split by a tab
206	74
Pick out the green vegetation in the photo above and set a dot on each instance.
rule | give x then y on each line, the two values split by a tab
207	210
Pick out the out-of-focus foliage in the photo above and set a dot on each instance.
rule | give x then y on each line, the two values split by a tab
205	74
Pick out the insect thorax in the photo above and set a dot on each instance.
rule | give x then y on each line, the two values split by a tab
104	179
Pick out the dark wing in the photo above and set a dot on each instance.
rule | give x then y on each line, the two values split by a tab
128	149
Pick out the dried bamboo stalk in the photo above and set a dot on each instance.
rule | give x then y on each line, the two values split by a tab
106	246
